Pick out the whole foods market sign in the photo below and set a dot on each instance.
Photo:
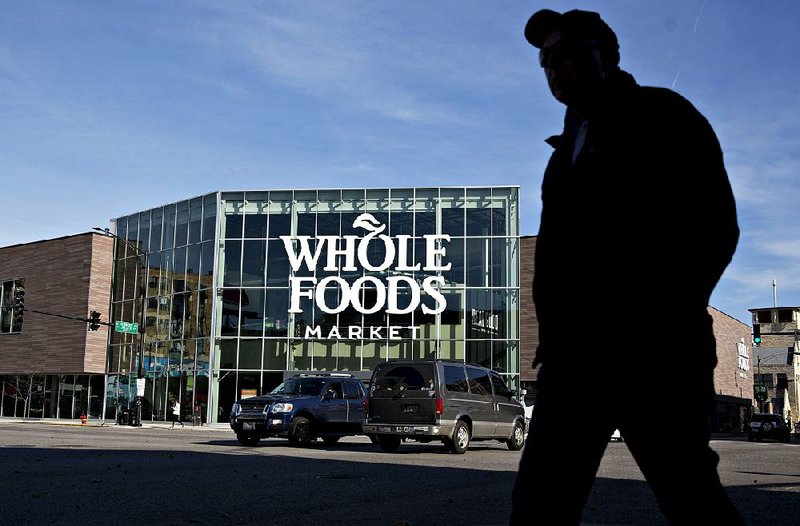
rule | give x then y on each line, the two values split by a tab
342	253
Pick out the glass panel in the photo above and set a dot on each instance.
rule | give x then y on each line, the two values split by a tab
280	225
206	263
253	263
230	257
233	220
479	352
425	349
401	223
168	234
276	318
252	315
156	226
195	220
477	262
374	352
227	395
481	321
255	219
278	269
226	354
454	255
144	231
451	350
182	226
328	220
209	217
250	353
275	354
348	354
424	223
301	357
229	313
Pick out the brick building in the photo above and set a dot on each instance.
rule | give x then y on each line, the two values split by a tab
775	360
51	365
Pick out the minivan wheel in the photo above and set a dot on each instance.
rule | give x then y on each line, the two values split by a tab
460	441
517	439
247	439
301	433
389	443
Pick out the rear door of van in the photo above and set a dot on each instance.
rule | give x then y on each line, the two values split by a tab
402	393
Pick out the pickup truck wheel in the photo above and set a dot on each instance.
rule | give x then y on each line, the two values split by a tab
247	439
330	440
389	443
517	439
460	441
301	433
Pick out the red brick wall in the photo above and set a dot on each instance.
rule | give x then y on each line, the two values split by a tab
529	326
728	378
69	276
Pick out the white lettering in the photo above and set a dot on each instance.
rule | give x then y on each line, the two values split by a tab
349	253
394	295
431	252
427	286
363	248
380	295
320	294
297	292
312	332
341	253
403	254
305	252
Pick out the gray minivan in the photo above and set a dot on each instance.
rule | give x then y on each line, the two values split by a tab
441	400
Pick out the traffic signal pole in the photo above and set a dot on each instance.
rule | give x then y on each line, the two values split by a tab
144	262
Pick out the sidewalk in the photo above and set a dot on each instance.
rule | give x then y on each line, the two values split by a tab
110	423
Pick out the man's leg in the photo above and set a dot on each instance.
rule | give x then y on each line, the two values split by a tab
560	459
670	442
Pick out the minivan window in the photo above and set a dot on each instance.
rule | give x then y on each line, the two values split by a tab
500	388
479	382
454	379
407	377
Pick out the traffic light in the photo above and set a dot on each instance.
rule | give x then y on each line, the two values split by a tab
756	334
94	320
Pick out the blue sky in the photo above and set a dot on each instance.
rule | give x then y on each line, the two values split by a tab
113	107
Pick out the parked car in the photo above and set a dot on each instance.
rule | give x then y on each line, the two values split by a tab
302	408
453	402
764	425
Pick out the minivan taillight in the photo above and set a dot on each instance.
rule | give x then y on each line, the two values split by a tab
439	405
366	405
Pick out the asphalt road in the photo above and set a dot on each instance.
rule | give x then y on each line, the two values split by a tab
72	474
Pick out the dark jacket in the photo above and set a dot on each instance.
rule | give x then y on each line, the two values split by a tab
635	235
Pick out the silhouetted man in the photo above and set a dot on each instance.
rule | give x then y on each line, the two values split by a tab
638	223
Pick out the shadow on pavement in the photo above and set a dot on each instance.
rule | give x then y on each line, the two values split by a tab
88	486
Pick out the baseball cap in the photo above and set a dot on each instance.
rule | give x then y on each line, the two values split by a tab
577	22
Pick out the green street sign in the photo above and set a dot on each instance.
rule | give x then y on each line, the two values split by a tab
760	392
126	326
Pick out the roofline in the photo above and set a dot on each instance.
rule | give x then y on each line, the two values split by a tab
771	308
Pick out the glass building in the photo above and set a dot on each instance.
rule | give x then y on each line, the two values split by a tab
239	289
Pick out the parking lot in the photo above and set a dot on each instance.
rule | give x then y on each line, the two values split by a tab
85	474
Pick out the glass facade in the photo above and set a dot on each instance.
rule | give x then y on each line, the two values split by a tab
255	284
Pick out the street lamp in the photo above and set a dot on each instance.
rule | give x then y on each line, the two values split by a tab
144	261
